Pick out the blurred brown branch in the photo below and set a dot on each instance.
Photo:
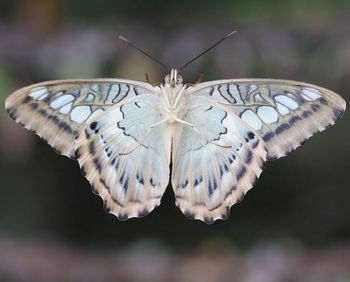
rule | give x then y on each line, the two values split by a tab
147	261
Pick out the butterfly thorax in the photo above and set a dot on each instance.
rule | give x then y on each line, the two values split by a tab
174	95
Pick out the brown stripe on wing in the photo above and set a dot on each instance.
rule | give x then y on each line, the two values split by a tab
38	117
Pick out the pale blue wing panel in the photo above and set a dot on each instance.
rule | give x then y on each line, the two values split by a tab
125	159
215	161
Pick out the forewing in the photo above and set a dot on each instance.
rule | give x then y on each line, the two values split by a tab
56	110
284	113
216	160
125	158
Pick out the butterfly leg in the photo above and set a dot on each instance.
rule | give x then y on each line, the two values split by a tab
201	134
140	143
148	80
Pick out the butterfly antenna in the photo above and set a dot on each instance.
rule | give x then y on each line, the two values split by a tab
207	50
143	52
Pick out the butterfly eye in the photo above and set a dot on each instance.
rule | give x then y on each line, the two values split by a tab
167	79
179	79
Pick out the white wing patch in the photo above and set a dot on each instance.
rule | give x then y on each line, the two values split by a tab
66	108
61	100
80	113
267	114
286	101
312	93
38	92
252	119
283	110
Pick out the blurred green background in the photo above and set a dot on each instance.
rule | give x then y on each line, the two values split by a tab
293	226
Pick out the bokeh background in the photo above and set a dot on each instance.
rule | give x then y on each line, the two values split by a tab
293	226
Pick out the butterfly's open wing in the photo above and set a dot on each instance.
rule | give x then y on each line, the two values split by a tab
55	110
216	160
125	158
284	113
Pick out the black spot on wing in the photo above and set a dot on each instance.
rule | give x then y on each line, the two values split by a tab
151	181
315	107
34	106
294	120
27	99
93	126
249	157
184	185
198	181
66	127
97	165
281	128
54	119
223	169
231	158
241	173
12	112
87	134
306	114
116	162
251	135
212	186
113	161
108	151
268	136
189	214
256	143
140	179
92	148
143	213
43	112
323	101
124	181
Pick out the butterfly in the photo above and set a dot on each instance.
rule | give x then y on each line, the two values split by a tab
215	135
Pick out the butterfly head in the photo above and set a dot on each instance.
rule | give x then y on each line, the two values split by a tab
173	79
